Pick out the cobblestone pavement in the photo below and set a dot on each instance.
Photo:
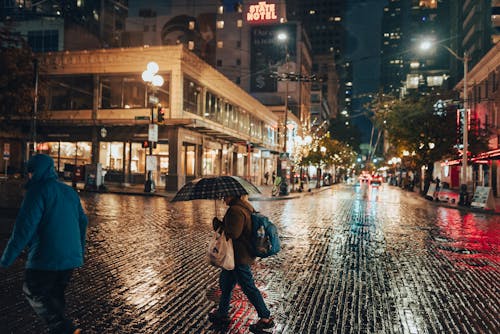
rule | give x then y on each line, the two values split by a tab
354	260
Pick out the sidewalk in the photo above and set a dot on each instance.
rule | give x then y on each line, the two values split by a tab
450	197
266	192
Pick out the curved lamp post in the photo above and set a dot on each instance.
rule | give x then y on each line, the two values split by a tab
152	80
425	46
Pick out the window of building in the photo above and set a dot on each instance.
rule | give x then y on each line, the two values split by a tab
220	44
238	44
219	62
238	62
43	40
70	92
210	162
220	24
191	96
66	155
188	159
111	156
131	92
239	23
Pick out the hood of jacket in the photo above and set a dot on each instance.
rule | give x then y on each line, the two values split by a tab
41	166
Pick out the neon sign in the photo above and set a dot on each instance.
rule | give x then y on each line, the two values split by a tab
262	12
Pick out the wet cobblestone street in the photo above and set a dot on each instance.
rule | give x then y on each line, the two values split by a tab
354	260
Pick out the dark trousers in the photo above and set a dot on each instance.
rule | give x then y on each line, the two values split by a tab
243	276
44	290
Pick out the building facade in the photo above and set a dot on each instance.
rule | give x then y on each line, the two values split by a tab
95	108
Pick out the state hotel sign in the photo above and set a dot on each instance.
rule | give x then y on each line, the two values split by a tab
262	13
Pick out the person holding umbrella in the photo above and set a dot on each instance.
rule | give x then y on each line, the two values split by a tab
237	225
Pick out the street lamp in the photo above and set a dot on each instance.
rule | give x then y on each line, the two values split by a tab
153	80
426	45
282	37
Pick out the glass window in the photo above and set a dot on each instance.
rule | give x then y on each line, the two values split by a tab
210	163
70	92
67	153
131	92
137	158
188	159
111	156
244	121
43	40
191	96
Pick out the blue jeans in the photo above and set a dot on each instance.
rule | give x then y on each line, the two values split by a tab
44	290
243	276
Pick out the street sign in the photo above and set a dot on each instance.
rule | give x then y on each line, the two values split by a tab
153	99
6	151
150	163
153	132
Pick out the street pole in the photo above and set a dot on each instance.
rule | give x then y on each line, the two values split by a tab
284	184
153	80
148	186
465	123
35	107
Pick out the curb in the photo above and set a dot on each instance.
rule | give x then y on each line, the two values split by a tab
457	207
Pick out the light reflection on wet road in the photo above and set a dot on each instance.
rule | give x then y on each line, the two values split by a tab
354	260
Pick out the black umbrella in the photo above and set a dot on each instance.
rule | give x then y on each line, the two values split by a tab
215	188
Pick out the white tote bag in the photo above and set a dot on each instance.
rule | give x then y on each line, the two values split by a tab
220	251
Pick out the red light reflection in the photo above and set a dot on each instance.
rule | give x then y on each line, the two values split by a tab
470	240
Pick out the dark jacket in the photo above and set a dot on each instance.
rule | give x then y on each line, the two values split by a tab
51	222
237	225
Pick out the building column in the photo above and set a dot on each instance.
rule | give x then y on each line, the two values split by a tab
175	177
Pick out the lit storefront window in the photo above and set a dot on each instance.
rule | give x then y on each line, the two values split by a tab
67	154
211	162
111	156
188	159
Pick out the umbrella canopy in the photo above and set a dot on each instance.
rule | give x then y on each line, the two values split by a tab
215	188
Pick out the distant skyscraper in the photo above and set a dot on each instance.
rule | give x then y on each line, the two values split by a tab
67	25
324	23
392	61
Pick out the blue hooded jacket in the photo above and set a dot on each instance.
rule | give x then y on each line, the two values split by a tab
51	222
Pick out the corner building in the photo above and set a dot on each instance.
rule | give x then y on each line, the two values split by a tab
97	109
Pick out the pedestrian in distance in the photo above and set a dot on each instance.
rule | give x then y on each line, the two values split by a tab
266	177
52	224
237	225
273	176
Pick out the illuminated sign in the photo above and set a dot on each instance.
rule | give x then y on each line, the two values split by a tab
262	12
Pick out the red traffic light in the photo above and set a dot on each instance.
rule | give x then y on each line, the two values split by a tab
161	114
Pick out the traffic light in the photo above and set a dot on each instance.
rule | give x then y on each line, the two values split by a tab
161	114
148	144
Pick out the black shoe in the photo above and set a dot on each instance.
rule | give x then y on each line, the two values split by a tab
262	324
216	318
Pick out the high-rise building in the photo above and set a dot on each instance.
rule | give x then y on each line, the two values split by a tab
324	23
67	25
392	60
459	26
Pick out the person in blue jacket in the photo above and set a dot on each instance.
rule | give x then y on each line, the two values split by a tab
52	224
